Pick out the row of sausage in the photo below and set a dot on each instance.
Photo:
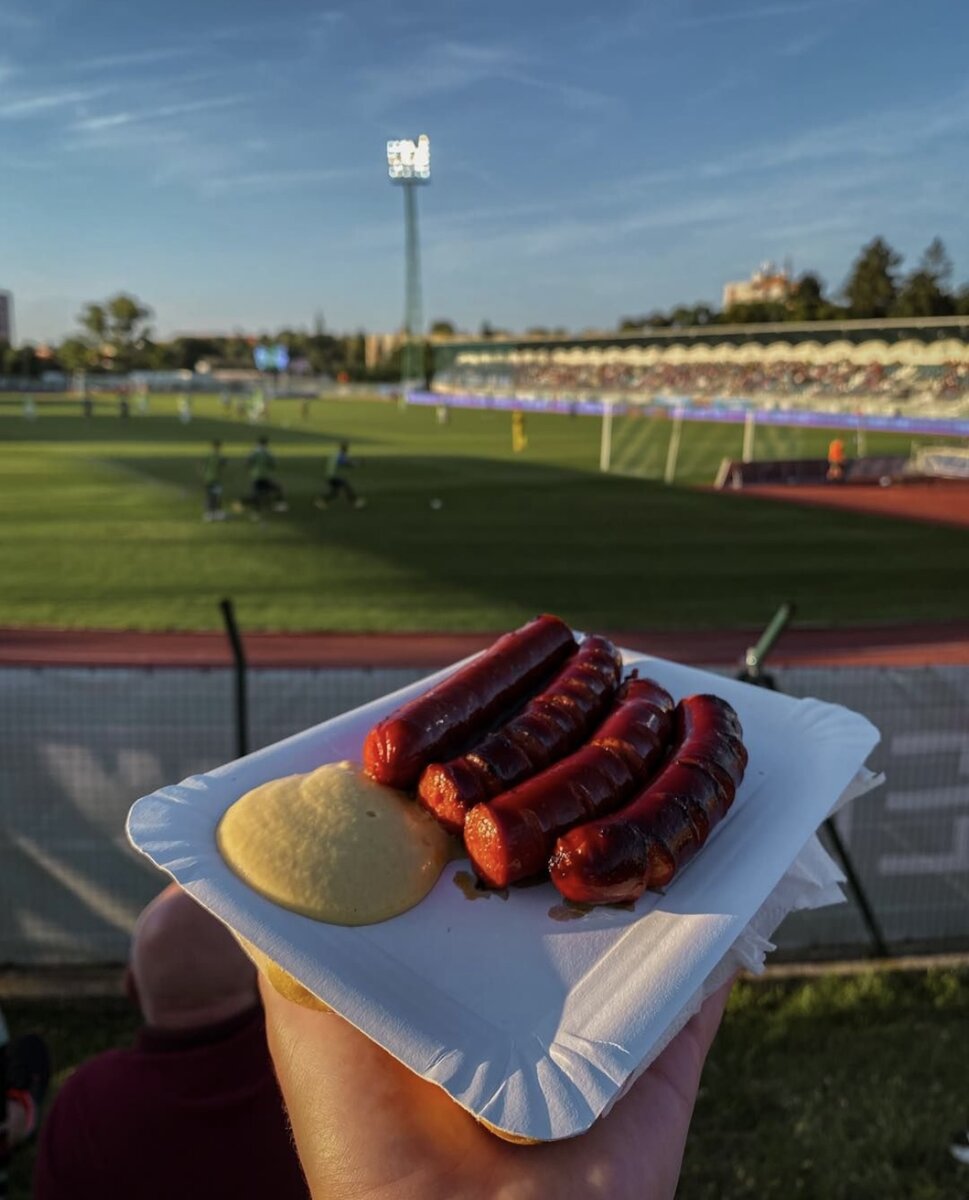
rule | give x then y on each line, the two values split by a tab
608	786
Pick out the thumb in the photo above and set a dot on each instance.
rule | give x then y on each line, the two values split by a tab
312	1055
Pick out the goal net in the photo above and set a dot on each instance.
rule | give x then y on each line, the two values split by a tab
634	441
690	446
663	444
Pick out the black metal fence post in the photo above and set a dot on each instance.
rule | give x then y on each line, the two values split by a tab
854	886
752	670
239	662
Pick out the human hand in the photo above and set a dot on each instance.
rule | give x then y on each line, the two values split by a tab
368	1128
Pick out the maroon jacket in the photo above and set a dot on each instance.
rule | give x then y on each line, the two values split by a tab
193	1114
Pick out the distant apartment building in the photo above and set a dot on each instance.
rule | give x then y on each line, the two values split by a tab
766	285
378	347
6	317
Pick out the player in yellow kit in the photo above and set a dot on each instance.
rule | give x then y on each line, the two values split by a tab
519	438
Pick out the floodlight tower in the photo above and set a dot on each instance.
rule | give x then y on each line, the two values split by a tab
409	166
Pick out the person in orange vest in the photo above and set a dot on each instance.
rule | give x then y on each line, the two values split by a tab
836	460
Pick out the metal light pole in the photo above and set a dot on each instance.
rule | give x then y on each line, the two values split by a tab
409	166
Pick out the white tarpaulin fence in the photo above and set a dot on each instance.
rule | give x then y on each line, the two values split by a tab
77	746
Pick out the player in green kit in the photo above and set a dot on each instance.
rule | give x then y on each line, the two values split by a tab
265	489
212	471
336	464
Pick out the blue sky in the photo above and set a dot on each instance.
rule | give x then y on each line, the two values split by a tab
225	161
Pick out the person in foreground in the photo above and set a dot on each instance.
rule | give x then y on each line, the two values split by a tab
959	1146
193	1109
366	1127
24	1078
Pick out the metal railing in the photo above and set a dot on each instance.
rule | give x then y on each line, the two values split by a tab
78	745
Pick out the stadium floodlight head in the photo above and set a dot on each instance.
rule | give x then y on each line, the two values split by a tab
408	161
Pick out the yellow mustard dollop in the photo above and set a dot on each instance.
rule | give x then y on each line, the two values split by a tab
334	845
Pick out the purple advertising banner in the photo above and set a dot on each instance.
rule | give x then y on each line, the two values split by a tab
732	412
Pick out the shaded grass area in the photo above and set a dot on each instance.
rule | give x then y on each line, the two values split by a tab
837	1088
834	1088
104	530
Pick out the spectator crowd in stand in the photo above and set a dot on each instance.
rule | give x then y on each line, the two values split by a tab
798	380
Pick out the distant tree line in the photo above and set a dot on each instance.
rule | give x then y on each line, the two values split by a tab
875	287
442	329
115	335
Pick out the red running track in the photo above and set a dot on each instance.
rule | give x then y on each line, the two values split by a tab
910	645
943	502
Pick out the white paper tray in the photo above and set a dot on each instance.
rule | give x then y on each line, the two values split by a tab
533	1024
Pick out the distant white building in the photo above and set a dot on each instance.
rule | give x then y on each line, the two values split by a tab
6	317
766	285
378	347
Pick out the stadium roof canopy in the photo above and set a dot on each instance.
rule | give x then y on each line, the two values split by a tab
889	331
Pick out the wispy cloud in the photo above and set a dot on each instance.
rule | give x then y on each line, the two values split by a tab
451	66
93	124
135	58
160	113
170	143
740	74
16	19
856	141
574	97
779	214
262	32
884	133
442	67
759	12
732	79
326	18
808	191
42	102
798	46
273	181
615	220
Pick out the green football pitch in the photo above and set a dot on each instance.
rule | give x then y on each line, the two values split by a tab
101	527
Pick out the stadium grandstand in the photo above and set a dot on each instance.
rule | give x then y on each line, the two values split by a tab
915	366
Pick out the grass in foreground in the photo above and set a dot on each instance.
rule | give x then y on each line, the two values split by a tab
103	529
835	1088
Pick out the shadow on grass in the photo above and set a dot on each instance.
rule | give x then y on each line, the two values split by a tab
108	427
603	551
836	1089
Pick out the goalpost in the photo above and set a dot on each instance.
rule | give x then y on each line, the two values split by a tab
650	441
636	441
670	443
